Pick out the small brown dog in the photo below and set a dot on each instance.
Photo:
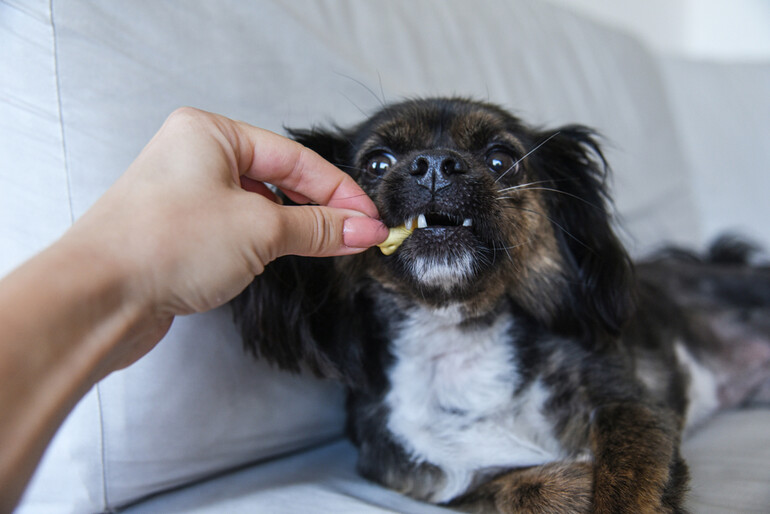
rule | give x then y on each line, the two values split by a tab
509	356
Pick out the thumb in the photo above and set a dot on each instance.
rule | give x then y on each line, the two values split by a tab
318	231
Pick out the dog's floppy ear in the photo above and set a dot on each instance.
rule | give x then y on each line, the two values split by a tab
275	314
600	272
332	145
300	312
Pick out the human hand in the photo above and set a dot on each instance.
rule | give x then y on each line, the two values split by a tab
185	228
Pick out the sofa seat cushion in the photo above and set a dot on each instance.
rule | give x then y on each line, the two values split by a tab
729	461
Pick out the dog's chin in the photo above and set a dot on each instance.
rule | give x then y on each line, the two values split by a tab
442	257
440	265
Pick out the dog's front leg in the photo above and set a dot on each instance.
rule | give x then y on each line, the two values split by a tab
637	467
557	488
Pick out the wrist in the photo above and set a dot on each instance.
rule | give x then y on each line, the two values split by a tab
116	313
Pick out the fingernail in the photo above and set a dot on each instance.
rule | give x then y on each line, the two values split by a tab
363	232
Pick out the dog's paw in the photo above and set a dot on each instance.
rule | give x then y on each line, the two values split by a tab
558	488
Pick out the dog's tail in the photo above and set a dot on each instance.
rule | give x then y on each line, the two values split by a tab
723	299
733	273
731	249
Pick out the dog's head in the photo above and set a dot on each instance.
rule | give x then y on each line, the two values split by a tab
502	210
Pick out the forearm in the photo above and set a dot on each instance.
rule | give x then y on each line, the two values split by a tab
62	317
178	233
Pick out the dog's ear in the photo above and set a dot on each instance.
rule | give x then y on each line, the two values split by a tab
599	271
301	312
333	145
275	314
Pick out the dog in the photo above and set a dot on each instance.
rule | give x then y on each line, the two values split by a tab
509	356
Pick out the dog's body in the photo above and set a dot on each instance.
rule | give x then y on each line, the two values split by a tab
508	356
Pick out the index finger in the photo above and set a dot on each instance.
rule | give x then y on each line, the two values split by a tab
272	158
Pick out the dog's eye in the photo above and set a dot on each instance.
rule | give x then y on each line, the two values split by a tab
501	161
379	163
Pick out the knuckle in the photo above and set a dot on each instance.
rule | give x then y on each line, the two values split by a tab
184	117
275	238
297	174
324	233
185	113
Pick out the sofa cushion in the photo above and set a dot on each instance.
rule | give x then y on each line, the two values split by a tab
732	450
92	81
34	194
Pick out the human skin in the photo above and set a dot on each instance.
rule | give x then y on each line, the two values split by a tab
185	229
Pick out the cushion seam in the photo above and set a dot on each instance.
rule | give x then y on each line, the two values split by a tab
62	132
68	177
102	452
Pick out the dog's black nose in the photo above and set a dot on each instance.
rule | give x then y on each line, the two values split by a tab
435	170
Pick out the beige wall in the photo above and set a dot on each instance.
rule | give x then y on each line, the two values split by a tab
701	29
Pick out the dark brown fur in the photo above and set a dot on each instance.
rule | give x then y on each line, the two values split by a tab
600	335
559	488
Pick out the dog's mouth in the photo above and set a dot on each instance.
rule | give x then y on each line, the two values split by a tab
437	221
443	249
431	229
440	233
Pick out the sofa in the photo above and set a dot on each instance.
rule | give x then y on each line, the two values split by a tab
197	425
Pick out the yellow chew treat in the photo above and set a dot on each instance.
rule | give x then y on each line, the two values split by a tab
395	238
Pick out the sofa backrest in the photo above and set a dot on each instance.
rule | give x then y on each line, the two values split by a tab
87	83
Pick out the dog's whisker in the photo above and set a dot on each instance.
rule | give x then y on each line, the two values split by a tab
507	253
510	247
547	181
349	167
555	191
519	186
382	90
367	172
555	223
346	97
528	154
487	257
381	101
351	197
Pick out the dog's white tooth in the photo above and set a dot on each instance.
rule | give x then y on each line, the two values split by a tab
409	223
421	221
467	222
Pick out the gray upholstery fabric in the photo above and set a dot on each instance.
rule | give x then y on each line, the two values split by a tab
86	83
729	459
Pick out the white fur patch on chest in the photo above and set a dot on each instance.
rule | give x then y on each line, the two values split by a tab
453	400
